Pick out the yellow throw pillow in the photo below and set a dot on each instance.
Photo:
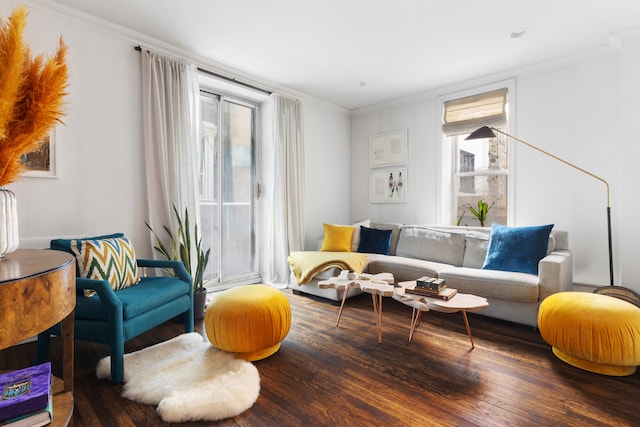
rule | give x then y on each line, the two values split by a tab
337	238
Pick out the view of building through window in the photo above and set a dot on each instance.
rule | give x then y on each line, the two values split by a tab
481	176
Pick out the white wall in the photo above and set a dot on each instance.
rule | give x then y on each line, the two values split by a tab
571	108
628	202
101	182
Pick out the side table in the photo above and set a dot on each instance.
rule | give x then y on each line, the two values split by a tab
378	285
37	291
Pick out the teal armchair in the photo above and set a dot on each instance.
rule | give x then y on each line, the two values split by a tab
114	317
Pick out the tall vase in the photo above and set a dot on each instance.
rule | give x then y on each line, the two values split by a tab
8	222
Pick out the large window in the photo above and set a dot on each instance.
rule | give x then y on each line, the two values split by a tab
227	185
479	167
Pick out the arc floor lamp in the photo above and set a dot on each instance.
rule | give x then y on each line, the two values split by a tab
489	132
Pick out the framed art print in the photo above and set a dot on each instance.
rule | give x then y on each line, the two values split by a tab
388	149
388	185
41	163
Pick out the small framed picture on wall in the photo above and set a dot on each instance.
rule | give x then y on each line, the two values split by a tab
41	162
388	185
388	149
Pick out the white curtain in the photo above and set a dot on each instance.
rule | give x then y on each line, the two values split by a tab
170	100
286	231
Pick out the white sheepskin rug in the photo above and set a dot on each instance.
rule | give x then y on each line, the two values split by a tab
189	380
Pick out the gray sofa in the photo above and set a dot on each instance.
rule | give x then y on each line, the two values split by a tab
457	254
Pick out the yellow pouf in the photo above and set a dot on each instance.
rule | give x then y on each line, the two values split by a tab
249	321
594	332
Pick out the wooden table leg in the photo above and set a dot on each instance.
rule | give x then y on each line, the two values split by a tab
379	318
466	323
344	299
415	320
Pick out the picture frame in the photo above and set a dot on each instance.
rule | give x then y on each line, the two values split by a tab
41	163
388	185
388	149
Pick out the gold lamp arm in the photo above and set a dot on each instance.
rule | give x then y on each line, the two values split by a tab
560	160
489	132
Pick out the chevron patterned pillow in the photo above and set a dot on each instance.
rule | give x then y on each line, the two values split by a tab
113	260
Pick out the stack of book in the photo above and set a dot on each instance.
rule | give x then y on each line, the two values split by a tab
26	397
432	288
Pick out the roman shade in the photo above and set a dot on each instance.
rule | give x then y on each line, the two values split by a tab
464	115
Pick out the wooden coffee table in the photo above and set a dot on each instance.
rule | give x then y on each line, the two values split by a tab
378	285
419	303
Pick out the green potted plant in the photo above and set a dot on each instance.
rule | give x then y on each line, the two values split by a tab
183	242
481	213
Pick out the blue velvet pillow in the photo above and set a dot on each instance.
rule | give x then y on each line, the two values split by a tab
517	248
374	241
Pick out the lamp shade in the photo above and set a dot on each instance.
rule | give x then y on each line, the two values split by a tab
481	133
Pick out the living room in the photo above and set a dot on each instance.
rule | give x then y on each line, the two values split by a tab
591	91
580	106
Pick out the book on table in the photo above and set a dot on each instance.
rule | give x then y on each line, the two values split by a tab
430	283
445	293
26	396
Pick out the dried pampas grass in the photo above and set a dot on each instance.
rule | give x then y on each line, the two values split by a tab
32	95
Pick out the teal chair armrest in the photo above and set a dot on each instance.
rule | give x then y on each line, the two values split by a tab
177	266
104	291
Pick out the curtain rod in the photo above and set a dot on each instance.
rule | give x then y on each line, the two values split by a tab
220	76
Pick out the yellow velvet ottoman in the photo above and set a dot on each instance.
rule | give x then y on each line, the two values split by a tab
594	332
249	321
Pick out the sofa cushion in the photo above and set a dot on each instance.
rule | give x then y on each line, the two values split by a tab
431	244
113	260
475	250
374	241
518	249
145	296
337	238
395	233
504	285
404	269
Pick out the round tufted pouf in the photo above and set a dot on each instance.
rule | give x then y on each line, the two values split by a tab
594	332
249	321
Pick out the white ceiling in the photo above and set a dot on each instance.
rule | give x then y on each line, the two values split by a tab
325	48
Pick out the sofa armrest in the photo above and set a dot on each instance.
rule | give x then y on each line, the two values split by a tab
178	267
555	272
104	291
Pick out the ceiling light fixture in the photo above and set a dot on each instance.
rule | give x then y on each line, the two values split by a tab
519	33
361	83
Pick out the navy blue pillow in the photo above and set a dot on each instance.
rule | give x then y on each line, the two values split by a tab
517	248
374	241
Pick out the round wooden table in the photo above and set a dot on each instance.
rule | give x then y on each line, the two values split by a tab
37	291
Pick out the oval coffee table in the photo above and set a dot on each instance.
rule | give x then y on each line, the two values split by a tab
419	303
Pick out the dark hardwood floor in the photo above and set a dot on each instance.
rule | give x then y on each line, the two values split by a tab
328	376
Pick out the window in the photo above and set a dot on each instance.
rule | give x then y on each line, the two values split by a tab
479	167
227	184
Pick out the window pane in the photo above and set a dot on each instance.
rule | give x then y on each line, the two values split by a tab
237	189
209	107
481	175
491	189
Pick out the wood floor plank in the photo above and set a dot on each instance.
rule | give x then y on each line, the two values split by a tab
325	375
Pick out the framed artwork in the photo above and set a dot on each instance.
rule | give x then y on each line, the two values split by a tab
388	149
388	185
41	163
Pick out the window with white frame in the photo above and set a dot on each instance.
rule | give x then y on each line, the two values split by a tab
479	167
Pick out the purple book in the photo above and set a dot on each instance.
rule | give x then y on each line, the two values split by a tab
25	390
